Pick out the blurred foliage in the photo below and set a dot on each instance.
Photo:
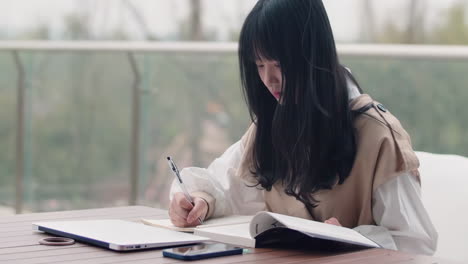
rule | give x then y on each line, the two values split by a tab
452	28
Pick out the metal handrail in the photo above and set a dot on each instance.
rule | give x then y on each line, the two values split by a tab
348	50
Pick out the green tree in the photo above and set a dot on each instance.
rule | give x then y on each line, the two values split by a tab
411	32
453	30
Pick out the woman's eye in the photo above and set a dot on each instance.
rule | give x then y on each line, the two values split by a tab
260	65
277	65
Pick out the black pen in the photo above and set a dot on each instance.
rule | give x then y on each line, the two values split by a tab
175	170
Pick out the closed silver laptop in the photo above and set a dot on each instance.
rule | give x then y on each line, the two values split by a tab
118	235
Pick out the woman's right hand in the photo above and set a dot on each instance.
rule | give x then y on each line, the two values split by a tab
184	214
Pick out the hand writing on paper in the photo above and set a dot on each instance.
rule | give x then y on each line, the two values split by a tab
333	221
184	214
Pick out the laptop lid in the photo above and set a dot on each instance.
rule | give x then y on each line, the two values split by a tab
118	235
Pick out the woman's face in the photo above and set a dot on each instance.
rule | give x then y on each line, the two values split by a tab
270	74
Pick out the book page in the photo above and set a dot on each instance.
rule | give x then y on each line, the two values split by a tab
166	223
262	222
228	220
322	230
237	234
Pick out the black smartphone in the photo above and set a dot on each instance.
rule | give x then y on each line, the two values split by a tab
202	251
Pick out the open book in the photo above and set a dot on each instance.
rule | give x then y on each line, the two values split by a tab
267	228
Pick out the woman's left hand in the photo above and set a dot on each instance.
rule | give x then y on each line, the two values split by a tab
333	221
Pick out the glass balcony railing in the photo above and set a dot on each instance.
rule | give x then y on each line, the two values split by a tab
88	125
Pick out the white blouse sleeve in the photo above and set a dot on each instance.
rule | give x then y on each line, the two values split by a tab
402	221
232	195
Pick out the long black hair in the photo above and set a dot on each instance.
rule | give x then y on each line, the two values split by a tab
306	142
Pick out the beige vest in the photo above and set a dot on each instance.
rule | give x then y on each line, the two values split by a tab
383	152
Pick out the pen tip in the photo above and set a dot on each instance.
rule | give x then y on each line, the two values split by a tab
168	158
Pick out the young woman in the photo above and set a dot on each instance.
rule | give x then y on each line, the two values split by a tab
317	148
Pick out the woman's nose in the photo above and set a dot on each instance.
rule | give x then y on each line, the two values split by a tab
272	75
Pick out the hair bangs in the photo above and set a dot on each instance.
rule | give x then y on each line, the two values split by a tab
260	39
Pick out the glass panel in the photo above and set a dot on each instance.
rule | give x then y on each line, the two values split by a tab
193	110
79	130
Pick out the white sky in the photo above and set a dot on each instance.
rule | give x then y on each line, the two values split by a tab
162	15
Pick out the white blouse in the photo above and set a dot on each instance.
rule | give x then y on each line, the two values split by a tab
402	221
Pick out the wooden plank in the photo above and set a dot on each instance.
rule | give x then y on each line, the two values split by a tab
31	236
45	253
419	259
381	259
81	213
379	256
97	211
21	228
34	248
61	258
275	256
323	257
280	260
161	214
98	256
159	259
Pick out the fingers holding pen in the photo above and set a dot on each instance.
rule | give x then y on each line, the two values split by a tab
199	211
179	209
183	214
182	201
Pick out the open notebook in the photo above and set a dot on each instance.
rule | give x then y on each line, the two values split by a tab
223	221
267	228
